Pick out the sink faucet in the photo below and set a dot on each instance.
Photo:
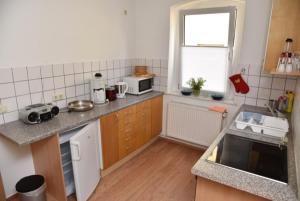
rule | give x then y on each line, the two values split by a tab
275	113
271	110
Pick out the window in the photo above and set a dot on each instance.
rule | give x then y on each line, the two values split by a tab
207	39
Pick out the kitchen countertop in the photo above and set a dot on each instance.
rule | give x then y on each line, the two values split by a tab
251	183
24	134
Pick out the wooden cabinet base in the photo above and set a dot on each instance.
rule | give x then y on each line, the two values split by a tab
213	191
47	162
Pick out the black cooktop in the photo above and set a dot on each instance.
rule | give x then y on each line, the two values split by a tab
267	160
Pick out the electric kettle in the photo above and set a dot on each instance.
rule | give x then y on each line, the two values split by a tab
122	88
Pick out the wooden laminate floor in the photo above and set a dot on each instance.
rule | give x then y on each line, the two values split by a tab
162	172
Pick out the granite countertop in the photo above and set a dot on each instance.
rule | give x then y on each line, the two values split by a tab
24	134
251	183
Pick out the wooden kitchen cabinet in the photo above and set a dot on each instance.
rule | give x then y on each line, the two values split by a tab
213	191
284	23
156	115
110	139
127	130
47	162
143	123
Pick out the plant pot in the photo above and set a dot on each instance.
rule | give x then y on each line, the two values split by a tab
196	92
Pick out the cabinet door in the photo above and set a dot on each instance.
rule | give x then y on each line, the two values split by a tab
110	139
143	123
156	115
85	161
127	131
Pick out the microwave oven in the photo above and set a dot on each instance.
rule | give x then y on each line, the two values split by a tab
139	85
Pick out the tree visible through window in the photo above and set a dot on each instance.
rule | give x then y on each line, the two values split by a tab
207	41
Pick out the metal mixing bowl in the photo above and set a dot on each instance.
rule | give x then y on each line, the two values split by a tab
81	105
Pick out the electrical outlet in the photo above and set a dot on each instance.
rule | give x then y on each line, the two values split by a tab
58	97
3	108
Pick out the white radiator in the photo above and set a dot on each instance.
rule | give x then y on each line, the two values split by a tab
193	123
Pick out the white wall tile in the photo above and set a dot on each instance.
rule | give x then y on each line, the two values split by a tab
22	88
110	74
70	92
23	101
48	83
95	66
87	67
46	71
117	64
6	75
20	74
10	104
59	82
34	72
79	79
48	96
253	92
79	90
69	80
156	63
290	84
11	116
255	70
156	71
1	119
250	101
7	90
264	93
87	88
68	69
278	83
37	98
262	102
109	64
78	68
60	92
253	81
58	70
117	73
87	77
164	72
35	85
265	82
275	94
103	65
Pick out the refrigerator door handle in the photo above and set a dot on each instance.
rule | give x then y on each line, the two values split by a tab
76	145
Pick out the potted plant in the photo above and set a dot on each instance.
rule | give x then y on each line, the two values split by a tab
196	85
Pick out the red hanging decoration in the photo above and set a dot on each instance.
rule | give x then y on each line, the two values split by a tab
239	83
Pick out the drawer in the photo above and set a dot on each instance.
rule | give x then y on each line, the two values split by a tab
127	111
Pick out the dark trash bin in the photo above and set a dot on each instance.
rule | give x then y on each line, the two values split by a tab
32	188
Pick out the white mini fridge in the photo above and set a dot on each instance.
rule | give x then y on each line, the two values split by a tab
81	158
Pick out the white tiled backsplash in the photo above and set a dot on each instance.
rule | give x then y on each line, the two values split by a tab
264	86
29	85
23	86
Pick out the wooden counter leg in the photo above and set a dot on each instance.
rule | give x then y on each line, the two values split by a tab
47	162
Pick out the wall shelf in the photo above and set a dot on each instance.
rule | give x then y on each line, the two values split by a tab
293	73
284	23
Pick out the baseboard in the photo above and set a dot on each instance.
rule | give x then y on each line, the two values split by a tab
185	143
127	158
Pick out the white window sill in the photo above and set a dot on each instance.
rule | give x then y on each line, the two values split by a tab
202	98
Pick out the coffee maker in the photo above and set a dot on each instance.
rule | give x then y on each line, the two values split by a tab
98	89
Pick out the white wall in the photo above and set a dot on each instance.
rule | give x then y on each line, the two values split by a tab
15	163
44	32
152	29
36	32
296	129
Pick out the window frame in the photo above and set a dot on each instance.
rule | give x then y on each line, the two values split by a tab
232	10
